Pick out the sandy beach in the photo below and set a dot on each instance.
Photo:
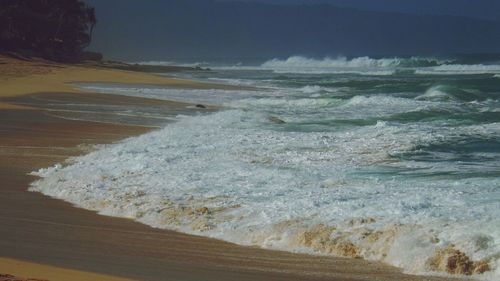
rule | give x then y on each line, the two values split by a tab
49	239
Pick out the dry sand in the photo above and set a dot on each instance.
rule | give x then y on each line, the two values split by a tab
41	230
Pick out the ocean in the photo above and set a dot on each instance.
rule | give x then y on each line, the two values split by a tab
391	159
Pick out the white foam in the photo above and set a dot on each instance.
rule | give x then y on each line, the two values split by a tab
370	66
340	62
361	65
261	186
451	69
342	65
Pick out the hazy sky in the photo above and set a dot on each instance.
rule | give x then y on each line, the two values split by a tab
213	30
487	9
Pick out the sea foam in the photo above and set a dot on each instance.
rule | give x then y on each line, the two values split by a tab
226	176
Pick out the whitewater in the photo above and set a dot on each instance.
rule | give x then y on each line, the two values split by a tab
395	160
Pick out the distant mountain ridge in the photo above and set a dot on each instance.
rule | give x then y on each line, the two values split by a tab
149	29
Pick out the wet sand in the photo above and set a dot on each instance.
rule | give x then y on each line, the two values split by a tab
38	229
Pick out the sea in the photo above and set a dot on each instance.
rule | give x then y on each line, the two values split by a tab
388	159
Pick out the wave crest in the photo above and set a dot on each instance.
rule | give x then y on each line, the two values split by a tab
359	65
384	66
359	62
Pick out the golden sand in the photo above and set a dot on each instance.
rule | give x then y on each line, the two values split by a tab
29	271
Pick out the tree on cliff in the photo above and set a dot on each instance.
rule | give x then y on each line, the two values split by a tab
52	29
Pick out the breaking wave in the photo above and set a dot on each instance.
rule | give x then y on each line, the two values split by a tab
370	66
360	65
359	62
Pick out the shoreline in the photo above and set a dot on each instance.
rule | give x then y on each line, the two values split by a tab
49	231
